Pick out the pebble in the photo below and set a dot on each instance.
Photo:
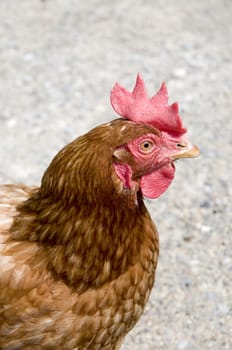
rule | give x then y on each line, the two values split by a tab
179	73
205	229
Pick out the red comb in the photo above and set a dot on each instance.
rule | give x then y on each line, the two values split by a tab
138	107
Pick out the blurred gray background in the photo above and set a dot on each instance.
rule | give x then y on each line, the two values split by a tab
58	63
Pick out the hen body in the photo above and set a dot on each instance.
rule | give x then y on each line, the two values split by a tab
76	267
78	254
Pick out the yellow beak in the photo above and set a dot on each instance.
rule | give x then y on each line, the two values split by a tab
186	151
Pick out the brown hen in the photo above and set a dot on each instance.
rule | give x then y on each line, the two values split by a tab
78	254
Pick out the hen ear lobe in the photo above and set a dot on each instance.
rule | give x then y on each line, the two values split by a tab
125	187
121	154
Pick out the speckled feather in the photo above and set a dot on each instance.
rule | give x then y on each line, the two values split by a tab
77	255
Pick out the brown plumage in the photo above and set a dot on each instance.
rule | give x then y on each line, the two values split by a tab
78	254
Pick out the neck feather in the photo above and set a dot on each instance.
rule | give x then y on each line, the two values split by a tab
87	245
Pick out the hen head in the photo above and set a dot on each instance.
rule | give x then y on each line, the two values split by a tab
153	153
125	157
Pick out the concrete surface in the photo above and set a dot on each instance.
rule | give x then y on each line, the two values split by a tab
58	63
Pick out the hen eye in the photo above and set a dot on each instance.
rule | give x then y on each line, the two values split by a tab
146	146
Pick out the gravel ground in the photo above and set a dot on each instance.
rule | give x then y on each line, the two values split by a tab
58	62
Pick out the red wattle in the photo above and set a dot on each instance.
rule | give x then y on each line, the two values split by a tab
154	184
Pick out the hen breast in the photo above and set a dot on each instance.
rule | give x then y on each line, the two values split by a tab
38	311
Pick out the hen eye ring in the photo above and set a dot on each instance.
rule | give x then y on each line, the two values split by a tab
146	146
